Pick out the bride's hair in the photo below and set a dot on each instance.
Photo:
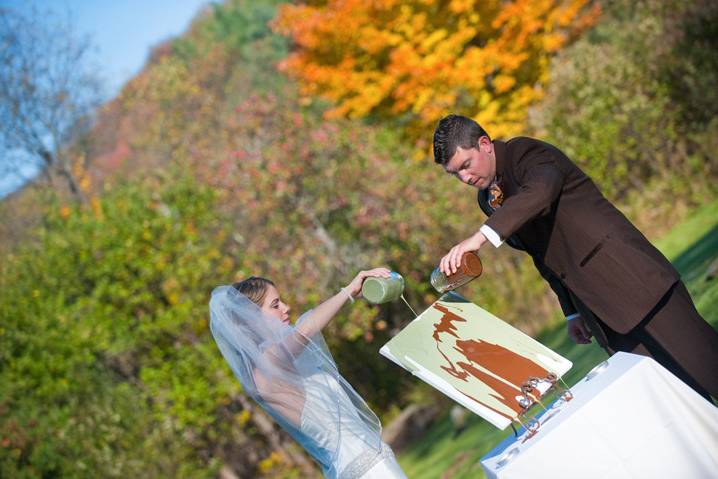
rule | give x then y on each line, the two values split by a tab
254	288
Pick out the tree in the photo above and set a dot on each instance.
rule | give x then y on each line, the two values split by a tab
47	93
631	105
420	59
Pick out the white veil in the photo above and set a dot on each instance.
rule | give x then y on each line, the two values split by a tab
294	378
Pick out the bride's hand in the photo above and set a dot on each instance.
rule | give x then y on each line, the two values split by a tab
354	287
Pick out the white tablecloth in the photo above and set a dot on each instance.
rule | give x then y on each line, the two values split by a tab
632	420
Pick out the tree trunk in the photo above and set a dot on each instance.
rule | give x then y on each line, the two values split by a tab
71	184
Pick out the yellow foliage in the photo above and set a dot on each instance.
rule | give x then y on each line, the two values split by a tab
243	417
172	101
96	206
487	59
269	463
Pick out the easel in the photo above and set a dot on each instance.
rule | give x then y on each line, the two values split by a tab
531	395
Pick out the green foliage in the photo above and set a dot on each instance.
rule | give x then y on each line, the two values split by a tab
240	27
104	327
692	71
624	102
240	23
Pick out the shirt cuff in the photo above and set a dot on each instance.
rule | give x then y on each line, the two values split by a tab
491	235
572	316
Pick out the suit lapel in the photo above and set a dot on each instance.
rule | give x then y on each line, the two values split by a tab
502	164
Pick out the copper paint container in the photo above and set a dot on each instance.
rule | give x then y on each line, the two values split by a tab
469	269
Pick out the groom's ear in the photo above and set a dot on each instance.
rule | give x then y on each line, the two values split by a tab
484	142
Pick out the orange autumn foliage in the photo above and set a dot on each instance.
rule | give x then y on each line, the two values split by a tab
421	59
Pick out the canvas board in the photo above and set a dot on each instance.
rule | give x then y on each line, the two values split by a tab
473	357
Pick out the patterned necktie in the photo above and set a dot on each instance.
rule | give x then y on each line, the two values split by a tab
495	196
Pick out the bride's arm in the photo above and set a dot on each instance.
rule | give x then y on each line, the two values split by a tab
322	314
314	321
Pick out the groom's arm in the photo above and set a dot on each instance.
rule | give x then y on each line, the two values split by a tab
541	179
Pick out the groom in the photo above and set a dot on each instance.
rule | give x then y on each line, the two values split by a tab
610	281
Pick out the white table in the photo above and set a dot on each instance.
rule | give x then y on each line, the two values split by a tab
633	419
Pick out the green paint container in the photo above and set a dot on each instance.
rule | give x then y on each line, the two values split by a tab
383	290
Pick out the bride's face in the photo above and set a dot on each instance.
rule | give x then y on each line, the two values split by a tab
273	306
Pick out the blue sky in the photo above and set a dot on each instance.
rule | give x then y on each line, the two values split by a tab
122	32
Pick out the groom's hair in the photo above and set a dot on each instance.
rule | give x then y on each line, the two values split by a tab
453	131
254	287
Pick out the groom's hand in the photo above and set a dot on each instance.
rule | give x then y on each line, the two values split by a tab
450	263
578	331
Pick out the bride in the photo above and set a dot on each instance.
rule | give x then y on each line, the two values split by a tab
289	371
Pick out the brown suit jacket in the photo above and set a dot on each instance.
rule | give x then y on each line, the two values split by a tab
588	252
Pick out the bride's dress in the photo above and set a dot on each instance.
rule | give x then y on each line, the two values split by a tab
331	419
294	378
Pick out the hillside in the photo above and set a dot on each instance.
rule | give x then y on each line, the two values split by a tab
214	164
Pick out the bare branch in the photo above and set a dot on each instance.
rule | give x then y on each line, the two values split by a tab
47	91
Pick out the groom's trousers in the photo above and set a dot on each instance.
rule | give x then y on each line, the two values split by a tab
674	334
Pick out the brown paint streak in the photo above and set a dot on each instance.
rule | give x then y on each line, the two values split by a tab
444	325
504	393
452	369
502	362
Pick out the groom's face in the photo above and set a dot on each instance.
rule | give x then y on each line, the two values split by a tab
474	166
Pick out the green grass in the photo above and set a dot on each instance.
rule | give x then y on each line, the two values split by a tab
692	246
